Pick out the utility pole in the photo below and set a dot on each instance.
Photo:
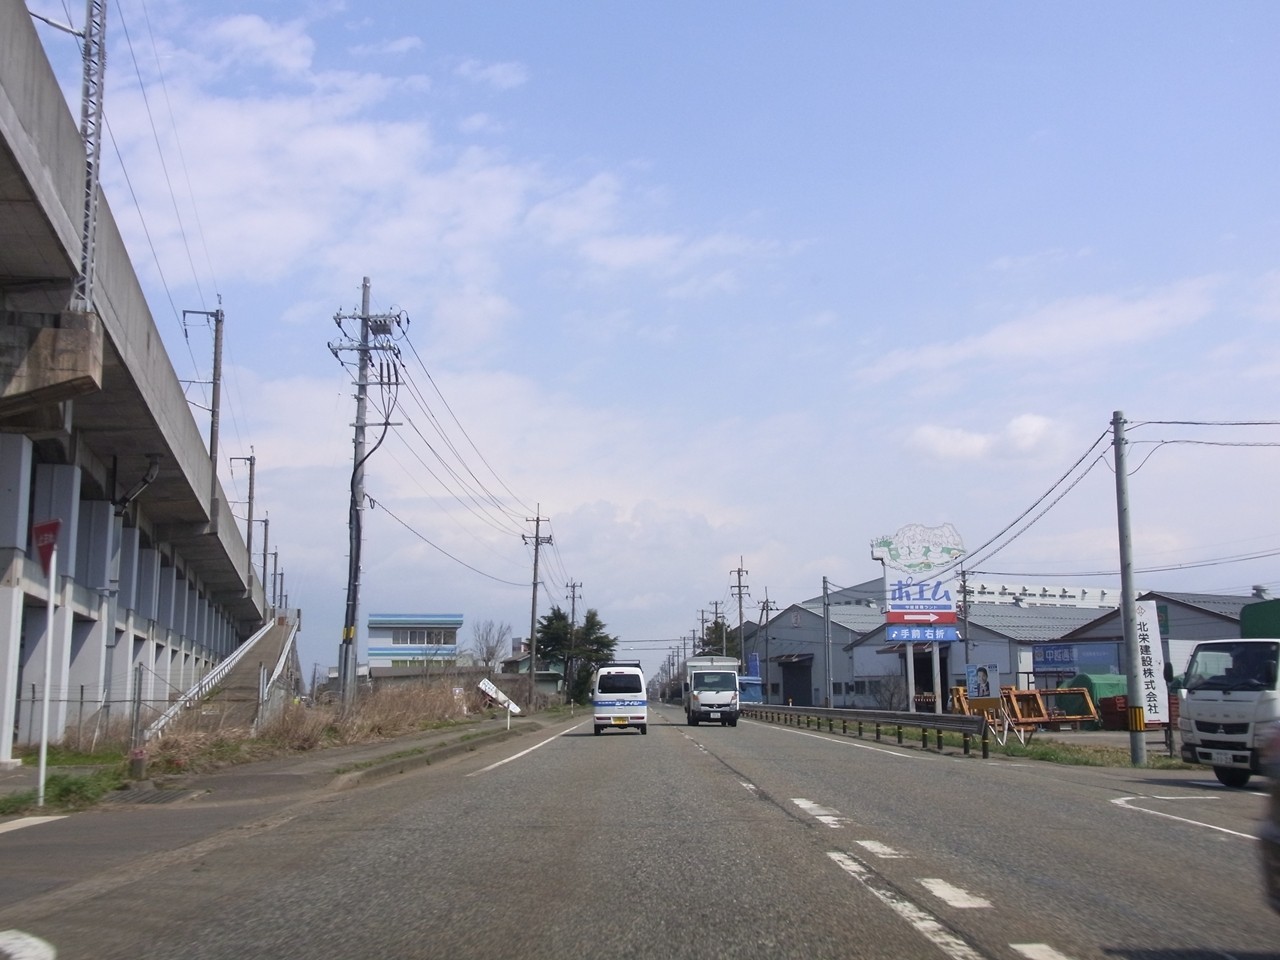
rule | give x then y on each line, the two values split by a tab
738	591
573	626
765	608
1128	601
538	540
266	531
716	617
826	636
248	524
215	407
376	333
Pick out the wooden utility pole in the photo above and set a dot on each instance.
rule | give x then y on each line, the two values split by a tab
538	540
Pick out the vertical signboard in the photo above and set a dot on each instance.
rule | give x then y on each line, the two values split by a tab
1155	694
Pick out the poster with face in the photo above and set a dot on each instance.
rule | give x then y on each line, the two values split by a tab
982	680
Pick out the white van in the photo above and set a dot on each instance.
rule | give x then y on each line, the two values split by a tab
618	696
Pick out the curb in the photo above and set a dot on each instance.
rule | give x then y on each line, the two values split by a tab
395	765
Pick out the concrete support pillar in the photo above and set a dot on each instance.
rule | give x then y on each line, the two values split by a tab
96	567
120	661
148	592
56	496
15	526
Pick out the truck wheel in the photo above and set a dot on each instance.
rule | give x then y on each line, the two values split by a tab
644	728
598	729
1232	776
733	722
691	720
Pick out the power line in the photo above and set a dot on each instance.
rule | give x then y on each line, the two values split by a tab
434	546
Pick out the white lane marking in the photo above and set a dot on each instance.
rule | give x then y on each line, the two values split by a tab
954	896
26	822
1124	802
853	743
925	923
831	818
517	756
748	786
17	945
1038	951
881	850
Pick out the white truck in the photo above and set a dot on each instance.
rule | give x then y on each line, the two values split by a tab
1228	704
710	690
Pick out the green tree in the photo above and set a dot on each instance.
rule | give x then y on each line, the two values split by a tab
579	649
553	636
720	637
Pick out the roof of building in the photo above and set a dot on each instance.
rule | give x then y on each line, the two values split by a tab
415	620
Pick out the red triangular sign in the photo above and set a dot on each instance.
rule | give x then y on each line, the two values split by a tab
45	536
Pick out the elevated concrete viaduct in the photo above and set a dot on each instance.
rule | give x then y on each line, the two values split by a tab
153	574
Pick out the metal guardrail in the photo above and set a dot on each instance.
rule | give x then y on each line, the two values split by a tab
879	722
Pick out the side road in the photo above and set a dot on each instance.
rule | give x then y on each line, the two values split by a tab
49	862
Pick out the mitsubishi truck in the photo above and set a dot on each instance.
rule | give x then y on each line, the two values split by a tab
710	690
1229	704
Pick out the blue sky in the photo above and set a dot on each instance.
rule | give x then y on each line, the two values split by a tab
718	280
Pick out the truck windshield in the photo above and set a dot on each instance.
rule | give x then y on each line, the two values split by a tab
1232	665
715	681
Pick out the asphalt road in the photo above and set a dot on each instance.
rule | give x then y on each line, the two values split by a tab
756	842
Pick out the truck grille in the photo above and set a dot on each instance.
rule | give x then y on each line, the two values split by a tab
1227	729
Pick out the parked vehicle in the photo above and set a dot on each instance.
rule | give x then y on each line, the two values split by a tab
618	697
1270	838
1228	706
750	690
710	690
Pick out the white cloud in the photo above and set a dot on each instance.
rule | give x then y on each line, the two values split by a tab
499	76
399	45
1024	435
249	39
1088	326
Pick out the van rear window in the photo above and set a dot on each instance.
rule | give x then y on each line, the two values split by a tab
620	683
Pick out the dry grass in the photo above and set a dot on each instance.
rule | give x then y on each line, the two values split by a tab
205	739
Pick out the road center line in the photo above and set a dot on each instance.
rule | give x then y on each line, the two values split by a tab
954	896
925	923
517	756
17	945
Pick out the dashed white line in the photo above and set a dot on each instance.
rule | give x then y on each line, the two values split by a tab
17	945
1038	951
881	850
831	818
925	923
954	896
25	822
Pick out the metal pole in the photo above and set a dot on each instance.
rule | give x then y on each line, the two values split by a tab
214	417
1128	603
48	675
826	635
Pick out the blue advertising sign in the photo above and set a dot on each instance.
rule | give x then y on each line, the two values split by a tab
900	633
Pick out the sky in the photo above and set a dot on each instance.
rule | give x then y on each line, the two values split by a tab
715	286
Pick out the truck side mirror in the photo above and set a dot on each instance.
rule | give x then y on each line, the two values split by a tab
1168	672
